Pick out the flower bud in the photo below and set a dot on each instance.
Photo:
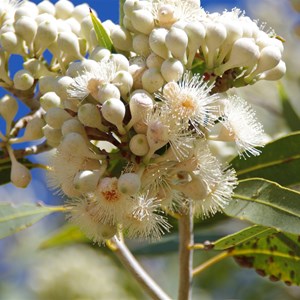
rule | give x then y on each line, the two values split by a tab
113	111
12	43
89	115
140	44
45	17
152	80
19	175
138	144
177	41
77	68
46	7
33	130
172	69
123	80
23	80
140	127
120	61
63	9
69	45
129	6
86	181
8	108
28	9
166	15
142	20
274	74
154	61
47	84
137	69
99	53
55	117
157	42
37	68
73	125
107	91
80	12
26	28
129	183
86	27
128	25
52	135
121	38
61	85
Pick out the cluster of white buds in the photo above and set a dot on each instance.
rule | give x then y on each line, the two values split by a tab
132	127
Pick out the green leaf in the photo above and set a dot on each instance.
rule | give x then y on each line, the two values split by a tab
242	236
103	38
266	203
14	218
276	255
291	117
279	162
65	235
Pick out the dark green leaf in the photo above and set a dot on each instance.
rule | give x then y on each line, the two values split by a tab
279	162
14	218
242	236
291	117
103	38
266	203
67	234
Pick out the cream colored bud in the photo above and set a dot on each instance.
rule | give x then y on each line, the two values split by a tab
19	175
128	25
28	9
63	9
244	53
77	68
177	41
81	11
157	42
99	53
140	127
152	80
120	61
73	125
55	117
12	43
47	84
140	44
274	74
166	15
86	27
61	85
89	115
45	17
121	38
33	130
172	69
69	45
26	28
129	6
50	100
46	7
157	136
138	144
123	80
140	103
113	110
53	136
8	108
46	34
154	61
109	26
137	69
74	25
129	184
86	181
23	80
37	68
142	21
107	91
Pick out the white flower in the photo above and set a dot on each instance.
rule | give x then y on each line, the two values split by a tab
241	125
143	219
89	82
190	101
8	7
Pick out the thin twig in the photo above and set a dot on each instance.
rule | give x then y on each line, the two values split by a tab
132	265
186	239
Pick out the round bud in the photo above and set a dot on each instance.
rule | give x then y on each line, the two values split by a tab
73	125
28	9
89	115
61	85
120	61
26	28
140	44
172	69
74	25
166	15
8	108
142	21
37	68
177	41
55	117
33	130
19	174
113	110
154	61
52	135
157	135
47	84
99	53
123	80
129	6
49	100
46	7
157	42
274	74
69	45
138	144
152	80
63	9
80	12
12	43
23	80
140	127
86	181
129	183
107	91
121	38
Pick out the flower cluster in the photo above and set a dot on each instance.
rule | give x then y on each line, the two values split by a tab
132	128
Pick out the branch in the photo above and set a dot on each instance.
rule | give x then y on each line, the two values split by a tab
186	239
132	265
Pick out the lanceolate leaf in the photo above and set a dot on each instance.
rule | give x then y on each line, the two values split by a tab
14	218
266	203
290	116
103	38
279	162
